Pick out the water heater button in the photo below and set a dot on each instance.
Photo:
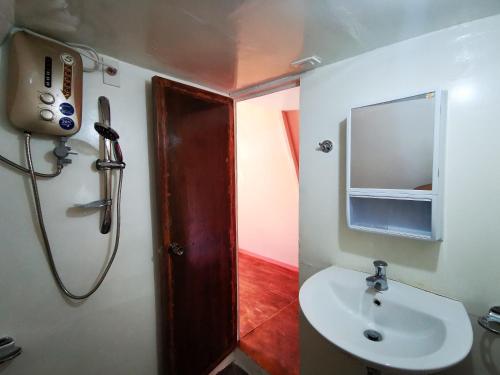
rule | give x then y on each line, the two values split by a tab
47	98
46	114
67	109
66	123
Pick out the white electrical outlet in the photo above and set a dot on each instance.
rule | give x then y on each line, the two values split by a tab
111	72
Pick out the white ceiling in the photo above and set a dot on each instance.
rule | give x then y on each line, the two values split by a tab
232	44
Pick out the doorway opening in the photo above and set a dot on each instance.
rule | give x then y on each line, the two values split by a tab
267	170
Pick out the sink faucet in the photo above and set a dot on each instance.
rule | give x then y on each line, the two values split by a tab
379	280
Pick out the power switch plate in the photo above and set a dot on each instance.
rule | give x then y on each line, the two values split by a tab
111	71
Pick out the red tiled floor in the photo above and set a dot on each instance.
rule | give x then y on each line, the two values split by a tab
274	344
259	306
269	314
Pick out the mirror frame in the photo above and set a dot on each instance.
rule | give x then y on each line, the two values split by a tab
435	195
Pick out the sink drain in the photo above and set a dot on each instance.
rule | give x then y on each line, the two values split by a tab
372	335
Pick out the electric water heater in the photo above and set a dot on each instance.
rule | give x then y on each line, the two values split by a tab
44	92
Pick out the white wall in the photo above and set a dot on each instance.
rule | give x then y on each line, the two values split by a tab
465	61
268	191
114	331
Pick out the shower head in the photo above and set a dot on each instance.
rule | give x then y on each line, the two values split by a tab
112	135
106	132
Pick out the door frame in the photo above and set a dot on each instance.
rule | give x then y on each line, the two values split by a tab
164	265
248	93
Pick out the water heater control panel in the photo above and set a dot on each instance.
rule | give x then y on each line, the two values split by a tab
44	92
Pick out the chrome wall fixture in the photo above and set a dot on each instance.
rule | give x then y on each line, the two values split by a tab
107	163
379	280
8	349
325	146
491	321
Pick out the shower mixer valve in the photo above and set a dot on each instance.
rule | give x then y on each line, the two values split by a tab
62	151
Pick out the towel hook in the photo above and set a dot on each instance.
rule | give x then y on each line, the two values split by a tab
325	146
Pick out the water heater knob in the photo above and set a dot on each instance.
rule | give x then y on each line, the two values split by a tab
47	98
46	115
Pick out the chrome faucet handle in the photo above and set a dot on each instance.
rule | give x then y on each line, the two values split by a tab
491	321
380	267
494	314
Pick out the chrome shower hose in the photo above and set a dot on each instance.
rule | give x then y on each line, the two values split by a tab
46	242
27	171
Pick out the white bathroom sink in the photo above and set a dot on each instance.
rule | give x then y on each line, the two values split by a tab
420	331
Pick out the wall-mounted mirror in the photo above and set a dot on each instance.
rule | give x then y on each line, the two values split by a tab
392	144
395	164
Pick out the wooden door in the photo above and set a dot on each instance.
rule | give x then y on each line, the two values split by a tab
195	182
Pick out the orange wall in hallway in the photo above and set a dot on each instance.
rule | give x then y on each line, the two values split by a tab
291	121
